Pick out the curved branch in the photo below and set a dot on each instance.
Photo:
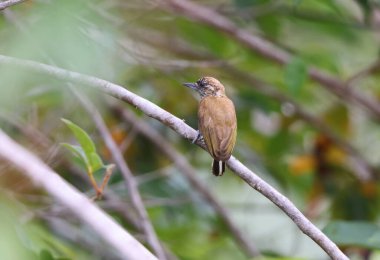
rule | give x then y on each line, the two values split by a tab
111	232
189	133
267	49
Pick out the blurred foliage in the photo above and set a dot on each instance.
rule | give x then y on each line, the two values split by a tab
353	233
151	51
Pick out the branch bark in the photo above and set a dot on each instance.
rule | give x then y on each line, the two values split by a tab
266	49
111	232
188	133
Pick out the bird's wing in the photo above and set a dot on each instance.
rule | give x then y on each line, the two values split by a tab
217	124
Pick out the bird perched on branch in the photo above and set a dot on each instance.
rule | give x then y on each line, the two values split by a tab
216	121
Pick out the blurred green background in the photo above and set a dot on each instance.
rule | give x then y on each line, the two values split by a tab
291	131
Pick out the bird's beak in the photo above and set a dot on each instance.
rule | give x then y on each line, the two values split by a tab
191	85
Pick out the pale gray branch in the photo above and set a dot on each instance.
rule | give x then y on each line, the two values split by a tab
9	3
189	133
111	232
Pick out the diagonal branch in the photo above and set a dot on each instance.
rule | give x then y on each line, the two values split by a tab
188	133
130	181
371	69
188	171
267	49
6	4
111	232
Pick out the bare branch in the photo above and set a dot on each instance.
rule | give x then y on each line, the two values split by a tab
189	133
111	232
188	171
6	4
130	181
266	49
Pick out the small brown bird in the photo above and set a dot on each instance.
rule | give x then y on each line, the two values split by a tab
216	121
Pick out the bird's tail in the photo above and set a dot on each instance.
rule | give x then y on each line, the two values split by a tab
218	167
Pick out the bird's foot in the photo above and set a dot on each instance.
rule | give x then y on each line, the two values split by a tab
198	137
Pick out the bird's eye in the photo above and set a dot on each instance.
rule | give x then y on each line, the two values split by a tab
201	82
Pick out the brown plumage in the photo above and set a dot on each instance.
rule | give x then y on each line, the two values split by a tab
216	121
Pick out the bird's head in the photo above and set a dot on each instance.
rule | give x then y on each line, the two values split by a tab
207	86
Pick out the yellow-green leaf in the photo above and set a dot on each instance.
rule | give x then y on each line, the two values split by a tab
87	150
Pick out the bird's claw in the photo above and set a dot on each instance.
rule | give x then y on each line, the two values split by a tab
198	137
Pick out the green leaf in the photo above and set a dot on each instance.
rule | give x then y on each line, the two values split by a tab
87	150
95	162
77	151
46	255
295	75
82	137
354	233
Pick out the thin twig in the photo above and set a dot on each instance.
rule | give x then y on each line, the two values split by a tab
372	68
188	133
6	4
111	232
130	181
268	50
187	170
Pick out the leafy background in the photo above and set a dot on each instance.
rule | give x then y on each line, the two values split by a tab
151	51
